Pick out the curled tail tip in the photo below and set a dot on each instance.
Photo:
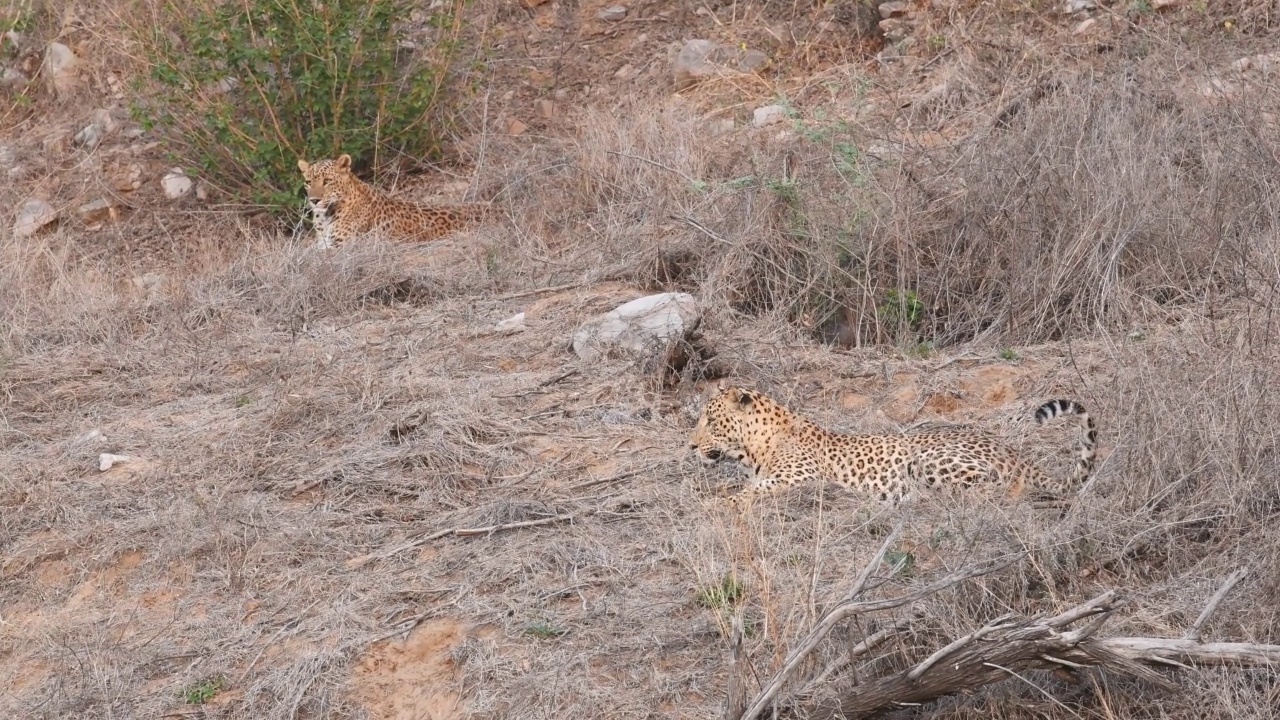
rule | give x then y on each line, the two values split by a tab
1054	408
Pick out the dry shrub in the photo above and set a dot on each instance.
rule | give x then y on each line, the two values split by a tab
1098	205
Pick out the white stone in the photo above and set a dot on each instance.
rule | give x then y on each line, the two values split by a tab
768	115
613	13
60	67
513	324
12	79
106	460
638	327
32	216
176	184
88	137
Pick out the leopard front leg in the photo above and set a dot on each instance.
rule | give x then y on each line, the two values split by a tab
783	470
757	487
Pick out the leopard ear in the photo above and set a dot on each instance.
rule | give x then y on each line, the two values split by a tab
721	384
744	399
302	165
344	161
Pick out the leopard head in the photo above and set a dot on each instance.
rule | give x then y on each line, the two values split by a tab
721	431
328	181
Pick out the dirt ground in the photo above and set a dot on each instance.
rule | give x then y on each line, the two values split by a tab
347	494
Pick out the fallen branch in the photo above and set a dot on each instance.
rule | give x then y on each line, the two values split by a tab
1006	647
848	607
460	532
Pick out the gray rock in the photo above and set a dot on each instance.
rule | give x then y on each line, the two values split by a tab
95	211
513	324
768	115
88	137
613	13
60	67
894	8
32	217
698	60
640	327
12	79
176	184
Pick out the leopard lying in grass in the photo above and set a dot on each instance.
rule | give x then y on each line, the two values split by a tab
780	448
346	207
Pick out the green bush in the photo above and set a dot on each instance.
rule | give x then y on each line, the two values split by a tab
245	89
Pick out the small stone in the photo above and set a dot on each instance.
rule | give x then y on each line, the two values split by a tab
546	108
1075	6
894	8
752	60
1242	65
94	435
1084	26
12	79
532	3
128	179
1162	4
515	127
32	217
88	137
60	67
768	115
625	72
613	13
513	324
107	460
176	184
895	29
102	118
698	60
202	191
96	211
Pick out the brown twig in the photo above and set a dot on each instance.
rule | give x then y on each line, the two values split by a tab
1193	632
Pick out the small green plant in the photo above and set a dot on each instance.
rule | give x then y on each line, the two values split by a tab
729	592
243	401
936	43
921	349
203	691
785	189
902	561
543	629
1008	354
902	308
246	89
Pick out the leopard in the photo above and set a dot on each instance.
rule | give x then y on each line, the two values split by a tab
780	448
345	207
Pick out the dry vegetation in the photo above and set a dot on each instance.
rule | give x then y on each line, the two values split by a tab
350	497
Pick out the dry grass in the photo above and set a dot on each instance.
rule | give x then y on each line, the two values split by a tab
290	413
